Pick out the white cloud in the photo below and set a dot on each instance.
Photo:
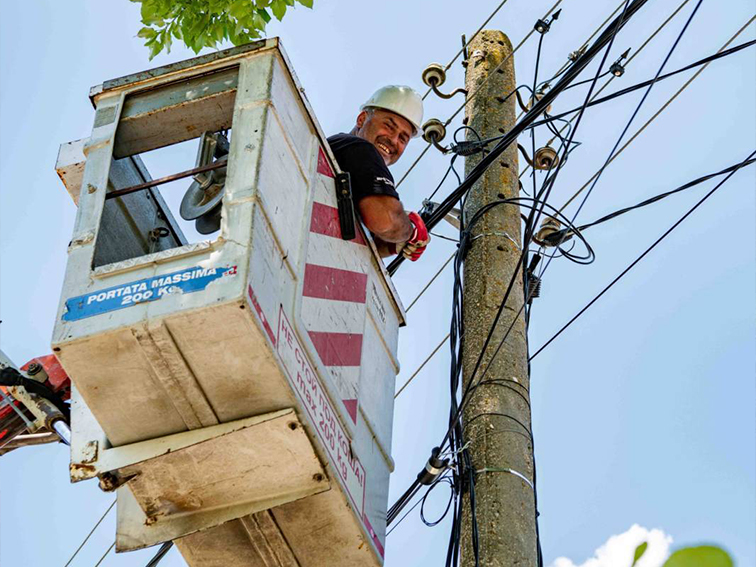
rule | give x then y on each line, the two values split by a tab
619	549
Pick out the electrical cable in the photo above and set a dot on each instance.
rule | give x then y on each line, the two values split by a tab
658	112
586	42
644	254
464	47
422	365
469	96
633	56
605	38
165	548
438	273
637	86
112	545
624	131
86	539
664	195
455	413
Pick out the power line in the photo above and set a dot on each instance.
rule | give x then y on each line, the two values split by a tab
461	51
718	55
419	368
664	195
633	56
658	112
438	273
538	108
165	548
643	255
448	121
112	545
606	163
86	539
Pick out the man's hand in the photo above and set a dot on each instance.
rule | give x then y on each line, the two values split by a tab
415	246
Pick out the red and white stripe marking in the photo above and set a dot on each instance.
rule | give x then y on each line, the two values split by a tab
334	293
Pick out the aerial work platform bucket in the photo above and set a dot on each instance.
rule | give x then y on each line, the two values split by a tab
237	393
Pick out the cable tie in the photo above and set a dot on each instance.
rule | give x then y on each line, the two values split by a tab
504	234
506	470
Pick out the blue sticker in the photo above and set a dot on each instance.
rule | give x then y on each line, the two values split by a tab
141	291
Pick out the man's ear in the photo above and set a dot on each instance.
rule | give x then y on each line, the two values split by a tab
361	117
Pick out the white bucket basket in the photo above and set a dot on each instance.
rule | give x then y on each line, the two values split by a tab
239	390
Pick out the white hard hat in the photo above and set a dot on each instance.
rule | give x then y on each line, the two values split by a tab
400	100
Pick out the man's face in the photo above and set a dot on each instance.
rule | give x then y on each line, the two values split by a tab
388	132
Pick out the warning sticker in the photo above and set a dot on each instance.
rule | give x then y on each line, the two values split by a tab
148	289
322	415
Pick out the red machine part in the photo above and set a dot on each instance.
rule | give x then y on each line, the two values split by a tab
11	423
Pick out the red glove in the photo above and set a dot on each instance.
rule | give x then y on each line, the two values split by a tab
415	246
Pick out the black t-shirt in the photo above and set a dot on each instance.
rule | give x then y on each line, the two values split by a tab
367	170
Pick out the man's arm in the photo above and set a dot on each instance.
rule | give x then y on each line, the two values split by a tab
384	216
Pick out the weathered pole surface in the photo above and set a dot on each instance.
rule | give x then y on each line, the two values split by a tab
499	406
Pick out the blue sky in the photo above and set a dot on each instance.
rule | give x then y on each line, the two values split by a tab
643	411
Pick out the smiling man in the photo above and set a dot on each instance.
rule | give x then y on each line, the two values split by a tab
385	125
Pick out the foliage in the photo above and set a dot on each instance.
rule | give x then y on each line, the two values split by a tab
639	551
702	556
206	23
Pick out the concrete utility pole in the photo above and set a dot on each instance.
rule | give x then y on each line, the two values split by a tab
499	446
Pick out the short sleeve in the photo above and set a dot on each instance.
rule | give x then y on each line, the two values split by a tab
367	171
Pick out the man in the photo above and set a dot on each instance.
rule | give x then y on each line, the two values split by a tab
384	127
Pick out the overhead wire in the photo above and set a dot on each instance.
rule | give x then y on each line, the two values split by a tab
547	186
469	96
630	59
86	539
718	55
104	555
661	196
643	254
164	549
607	161
580	64
656	114
467	43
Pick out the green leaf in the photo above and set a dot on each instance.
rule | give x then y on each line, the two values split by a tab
264	14
240	8
289	2
147	33
306	3
278	8
639	551
148	10
702	556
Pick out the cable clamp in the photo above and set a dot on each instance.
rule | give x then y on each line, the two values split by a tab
434	468
468	148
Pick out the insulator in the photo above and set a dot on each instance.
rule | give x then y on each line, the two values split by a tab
548	227
434	129
433	132
545	158
542	27
434	75
617	69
